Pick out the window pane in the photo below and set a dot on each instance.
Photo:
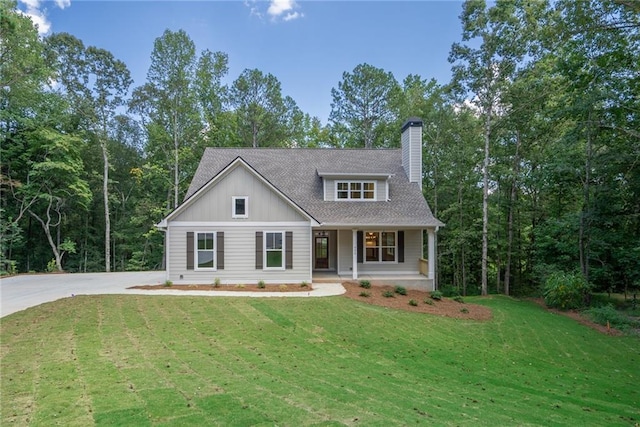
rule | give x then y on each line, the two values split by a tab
343	194
356	186
388	239
369	186
240	207
372	254
343	186
371	239
369	195
205	241
389	254
274	241
205	259
274	259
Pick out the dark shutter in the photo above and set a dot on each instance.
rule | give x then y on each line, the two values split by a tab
258	250
400	246
288	250
220	250
190	247
360	240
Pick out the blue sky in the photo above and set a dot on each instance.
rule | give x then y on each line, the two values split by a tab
306	45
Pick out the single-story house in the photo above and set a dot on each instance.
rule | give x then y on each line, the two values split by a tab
291	215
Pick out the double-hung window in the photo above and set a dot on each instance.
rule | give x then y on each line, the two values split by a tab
274	249
206	251
240	207
380	246
355	190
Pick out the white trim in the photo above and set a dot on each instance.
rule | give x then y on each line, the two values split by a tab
167	245
350	175
264	250
354	256
244	224
195	251
362	191
233	206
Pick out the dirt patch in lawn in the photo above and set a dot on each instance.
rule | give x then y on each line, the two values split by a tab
234	288
446	307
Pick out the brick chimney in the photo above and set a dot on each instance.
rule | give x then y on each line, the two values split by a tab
412	149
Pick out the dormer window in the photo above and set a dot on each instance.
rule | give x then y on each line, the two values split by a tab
240	207
356	190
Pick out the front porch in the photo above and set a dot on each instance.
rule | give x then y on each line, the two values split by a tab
409	281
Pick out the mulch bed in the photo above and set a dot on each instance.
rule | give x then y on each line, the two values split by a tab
575	315
235	288
445	307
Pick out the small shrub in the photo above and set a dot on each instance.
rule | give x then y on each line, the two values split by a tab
464	310
52	266
400	290
216	282
283	287
365	294
436	295
458	298
388	294
428	301
168	283
240	286
261	284
304	284
365	284
449	291
566	291
413	303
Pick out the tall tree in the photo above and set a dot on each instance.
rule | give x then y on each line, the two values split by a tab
483	73
361	108
261	111
168	104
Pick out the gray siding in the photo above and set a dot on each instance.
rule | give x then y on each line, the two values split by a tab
330	188
412	153
239	255
264	203
412	252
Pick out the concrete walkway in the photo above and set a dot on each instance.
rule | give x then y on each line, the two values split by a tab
21	292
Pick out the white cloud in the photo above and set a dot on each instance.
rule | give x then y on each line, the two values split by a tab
278	10
38	14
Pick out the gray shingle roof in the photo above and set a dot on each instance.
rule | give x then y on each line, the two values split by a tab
295	173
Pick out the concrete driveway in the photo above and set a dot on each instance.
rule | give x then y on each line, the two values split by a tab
21	292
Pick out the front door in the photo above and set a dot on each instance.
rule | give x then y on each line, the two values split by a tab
322	252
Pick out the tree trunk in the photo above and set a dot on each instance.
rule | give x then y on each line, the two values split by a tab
583	239
105	195
485	200
47	231
512	202
176	161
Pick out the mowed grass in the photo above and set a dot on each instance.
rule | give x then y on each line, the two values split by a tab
157	360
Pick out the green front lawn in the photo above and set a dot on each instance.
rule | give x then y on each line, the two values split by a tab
158	360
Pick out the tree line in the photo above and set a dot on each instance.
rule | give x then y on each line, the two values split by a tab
531	151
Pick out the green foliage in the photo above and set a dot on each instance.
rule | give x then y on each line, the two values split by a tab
464	310
365	284
566	291
428	301
436	295
168	283
413	303
609	315
400	290
388	294
304	284
449	291
216	282
52	266
459	299
261	284
365	294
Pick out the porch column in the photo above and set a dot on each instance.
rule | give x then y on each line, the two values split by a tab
432	253
354	255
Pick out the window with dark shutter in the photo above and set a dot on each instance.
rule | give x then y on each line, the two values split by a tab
400	246
360	244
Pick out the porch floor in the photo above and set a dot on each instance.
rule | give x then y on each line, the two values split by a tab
410	281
